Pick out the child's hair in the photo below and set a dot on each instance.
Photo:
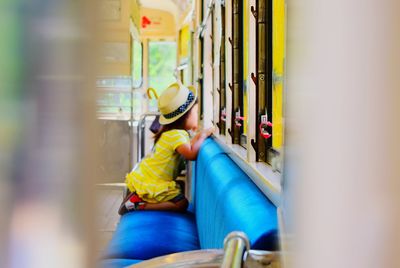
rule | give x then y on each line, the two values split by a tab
178	124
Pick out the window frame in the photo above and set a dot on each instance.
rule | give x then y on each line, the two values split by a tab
222	77
263	76
132	41
237	71
149	42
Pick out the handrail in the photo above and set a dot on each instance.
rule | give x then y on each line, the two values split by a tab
180	68
235	245
141	137
150	89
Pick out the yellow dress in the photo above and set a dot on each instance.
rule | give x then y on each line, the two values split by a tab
153	178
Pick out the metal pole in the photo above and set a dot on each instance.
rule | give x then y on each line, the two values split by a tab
235	245
141	134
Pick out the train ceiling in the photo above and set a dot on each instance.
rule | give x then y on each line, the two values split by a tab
175	7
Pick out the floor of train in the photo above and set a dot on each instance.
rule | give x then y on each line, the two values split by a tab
109	198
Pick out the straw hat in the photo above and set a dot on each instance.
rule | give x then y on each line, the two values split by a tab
175	101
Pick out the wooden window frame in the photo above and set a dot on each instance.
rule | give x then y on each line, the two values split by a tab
222	78
263	77
237	71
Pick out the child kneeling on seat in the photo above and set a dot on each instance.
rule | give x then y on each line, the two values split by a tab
152	183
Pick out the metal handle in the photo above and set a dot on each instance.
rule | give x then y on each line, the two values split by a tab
223	114
263	127
238	118
150	89
235	245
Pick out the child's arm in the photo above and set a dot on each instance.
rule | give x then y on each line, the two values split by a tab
190	151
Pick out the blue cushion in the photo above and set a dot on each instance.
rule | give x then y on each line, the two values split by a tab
208	150
146	234
227	200
117	263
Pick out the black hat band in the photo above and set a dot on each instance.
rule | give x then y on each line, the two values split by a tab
181	108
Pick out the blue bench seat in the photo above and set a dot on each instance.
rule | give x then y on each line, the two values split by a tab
230	202
224	199
147	234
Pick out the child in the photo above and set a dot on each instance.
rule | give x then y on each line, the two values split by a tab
151	184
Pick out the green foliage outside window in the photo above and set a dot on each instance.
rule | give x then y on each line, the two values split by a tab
162	64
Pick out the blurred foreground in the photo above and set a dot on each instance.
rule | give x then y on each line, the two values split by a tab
46	124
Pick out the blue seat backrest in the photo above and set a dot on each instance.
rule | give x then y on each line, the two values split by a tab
227	200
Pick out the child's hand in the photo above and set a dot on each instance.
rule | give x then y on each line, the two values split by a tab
203	134
209	131
190	151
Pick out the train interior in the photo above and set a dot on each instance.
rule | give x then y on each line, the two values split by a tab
301	170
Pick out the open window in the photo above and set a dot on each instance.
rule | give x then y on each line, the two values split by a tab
161	68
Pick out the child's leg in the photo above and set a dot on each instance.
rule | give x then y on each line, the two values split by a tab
131	202
178	203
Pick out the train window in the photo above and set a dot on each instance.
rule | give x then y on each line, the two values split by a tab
162	65
263	78
240	70
237	72
244	62
269	80
113	82
137	63
114	97
222	77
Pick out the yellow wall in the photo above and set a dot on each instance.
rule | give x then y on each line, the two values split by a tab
162	24
278	71
135	13
184	42
116	32
184	53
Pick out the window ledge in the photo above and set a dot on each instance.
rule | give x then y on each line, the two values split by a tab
268	181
